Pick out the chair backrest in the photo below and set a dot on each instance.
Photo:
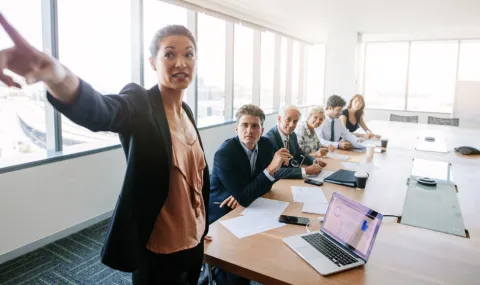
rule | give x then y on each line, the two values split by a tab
455	122
406	119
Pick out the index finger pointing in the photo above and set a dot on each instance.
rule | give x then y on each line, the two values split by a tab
17	39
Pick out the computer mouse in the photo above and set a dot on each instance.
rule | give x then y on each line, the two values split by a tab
430	139
466	150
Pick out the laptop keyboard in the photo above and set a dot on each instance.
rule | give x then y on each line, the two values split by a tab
329	249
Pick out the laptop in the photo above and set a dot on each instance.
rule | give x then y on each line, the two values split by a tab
345	239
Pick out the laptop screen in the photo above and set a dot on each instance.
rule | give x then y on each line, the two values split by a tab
352	224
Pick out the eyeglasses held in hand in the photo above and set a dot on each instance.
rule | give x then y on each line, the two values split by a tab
295	163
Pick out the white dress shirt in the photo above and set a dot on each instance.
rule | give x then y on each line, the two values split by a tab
324	133
252	157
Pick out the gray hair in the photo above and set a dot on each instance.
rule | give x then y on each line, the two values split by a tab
250	110
335	101
170	30
286	108
316	110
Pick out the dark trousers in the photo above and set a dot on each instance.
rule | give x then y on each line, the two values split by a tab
227	278
178	268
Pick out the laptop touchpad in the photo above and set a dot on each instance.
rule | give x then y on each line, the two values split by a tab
308	252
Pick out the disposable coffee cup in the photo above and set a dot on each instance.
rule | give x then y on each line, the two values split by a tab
384	142
370	150
361	179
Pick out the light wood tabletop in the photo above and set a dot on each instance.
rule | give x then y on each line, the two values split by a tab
401	254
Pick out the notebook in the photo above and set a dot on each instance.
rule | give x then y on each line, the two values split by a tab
342	177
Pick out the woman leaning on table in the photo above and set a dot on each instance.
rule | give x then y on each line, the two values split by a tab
352	117
159	222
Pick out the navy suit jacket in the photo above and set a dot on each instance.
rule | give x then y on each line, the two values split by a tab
138	116
294	148
231	175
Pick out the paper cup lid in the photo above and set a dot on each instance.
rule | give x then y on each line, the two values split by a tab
361	174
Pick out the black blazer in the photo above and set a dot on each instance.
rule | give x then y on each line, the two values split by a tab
289	172
139	117
231	175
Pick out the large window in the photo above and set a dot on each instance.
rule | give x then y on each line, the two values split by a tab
432	76
469	65
156	15
243	67
315	88
283	71
95	50
210	70
386	75
22	111
266	75
295	73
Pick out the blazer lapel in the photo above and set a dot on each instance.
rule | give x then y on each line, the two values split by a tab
278	138
160	118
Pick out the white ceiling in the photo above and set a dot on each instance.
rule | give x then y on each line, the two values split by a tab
314	20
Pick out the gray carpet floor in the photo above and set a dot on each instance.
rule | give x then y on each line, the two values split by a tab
74	260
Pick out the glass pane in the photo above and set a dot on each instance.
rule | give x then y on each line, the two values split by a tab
156	15
211	70
469	66
315	89
266	82
295	72
386	75
22	111
283	71
243	67
432	76
97	50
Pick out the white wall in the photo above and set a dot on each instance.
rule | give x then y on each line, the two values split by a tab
41	204
341	63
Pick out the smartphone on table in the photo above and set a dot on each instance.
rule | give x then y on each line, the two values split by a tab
293	220
313	182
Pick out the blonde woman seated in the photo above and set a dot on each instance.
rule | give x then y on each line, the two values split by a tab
306	136
352	117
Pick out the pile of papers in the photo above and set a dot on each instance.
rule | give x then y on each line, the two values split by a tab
262	215
313	199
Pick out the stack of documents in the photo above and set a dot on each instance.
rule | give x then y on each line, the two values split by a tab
337	156
313	199
262	215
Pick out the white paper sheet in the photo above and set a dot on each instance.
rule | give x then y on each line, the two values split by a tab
308	194
264	206
370	141
248	225
350	165
337	156
315	208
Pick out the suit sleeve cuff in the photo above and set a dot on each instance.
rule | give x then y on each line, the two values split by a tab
268	175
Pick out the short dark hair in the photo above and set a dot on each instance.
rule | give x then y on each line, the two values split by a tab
335	101
251	110
170	30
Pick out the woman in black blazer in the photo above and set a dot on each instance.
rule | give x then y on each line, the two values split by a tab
147	121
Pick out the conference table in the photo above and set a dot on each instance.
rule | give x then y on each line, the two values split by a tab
401	254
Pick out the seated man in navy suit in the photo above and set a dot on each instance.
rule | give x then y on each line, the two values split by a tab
283	136
244	169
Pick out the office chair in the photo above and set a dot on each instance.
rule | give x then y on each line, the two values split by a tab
455	122
406	119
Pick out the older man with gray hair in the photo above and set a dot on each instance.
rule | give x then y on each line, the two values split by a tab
283	136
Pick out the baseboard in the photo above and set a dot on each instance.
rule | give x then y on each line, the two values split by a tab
56	236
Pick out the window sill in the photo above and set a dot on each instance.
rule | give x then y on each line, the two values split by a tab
410	111
23	161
